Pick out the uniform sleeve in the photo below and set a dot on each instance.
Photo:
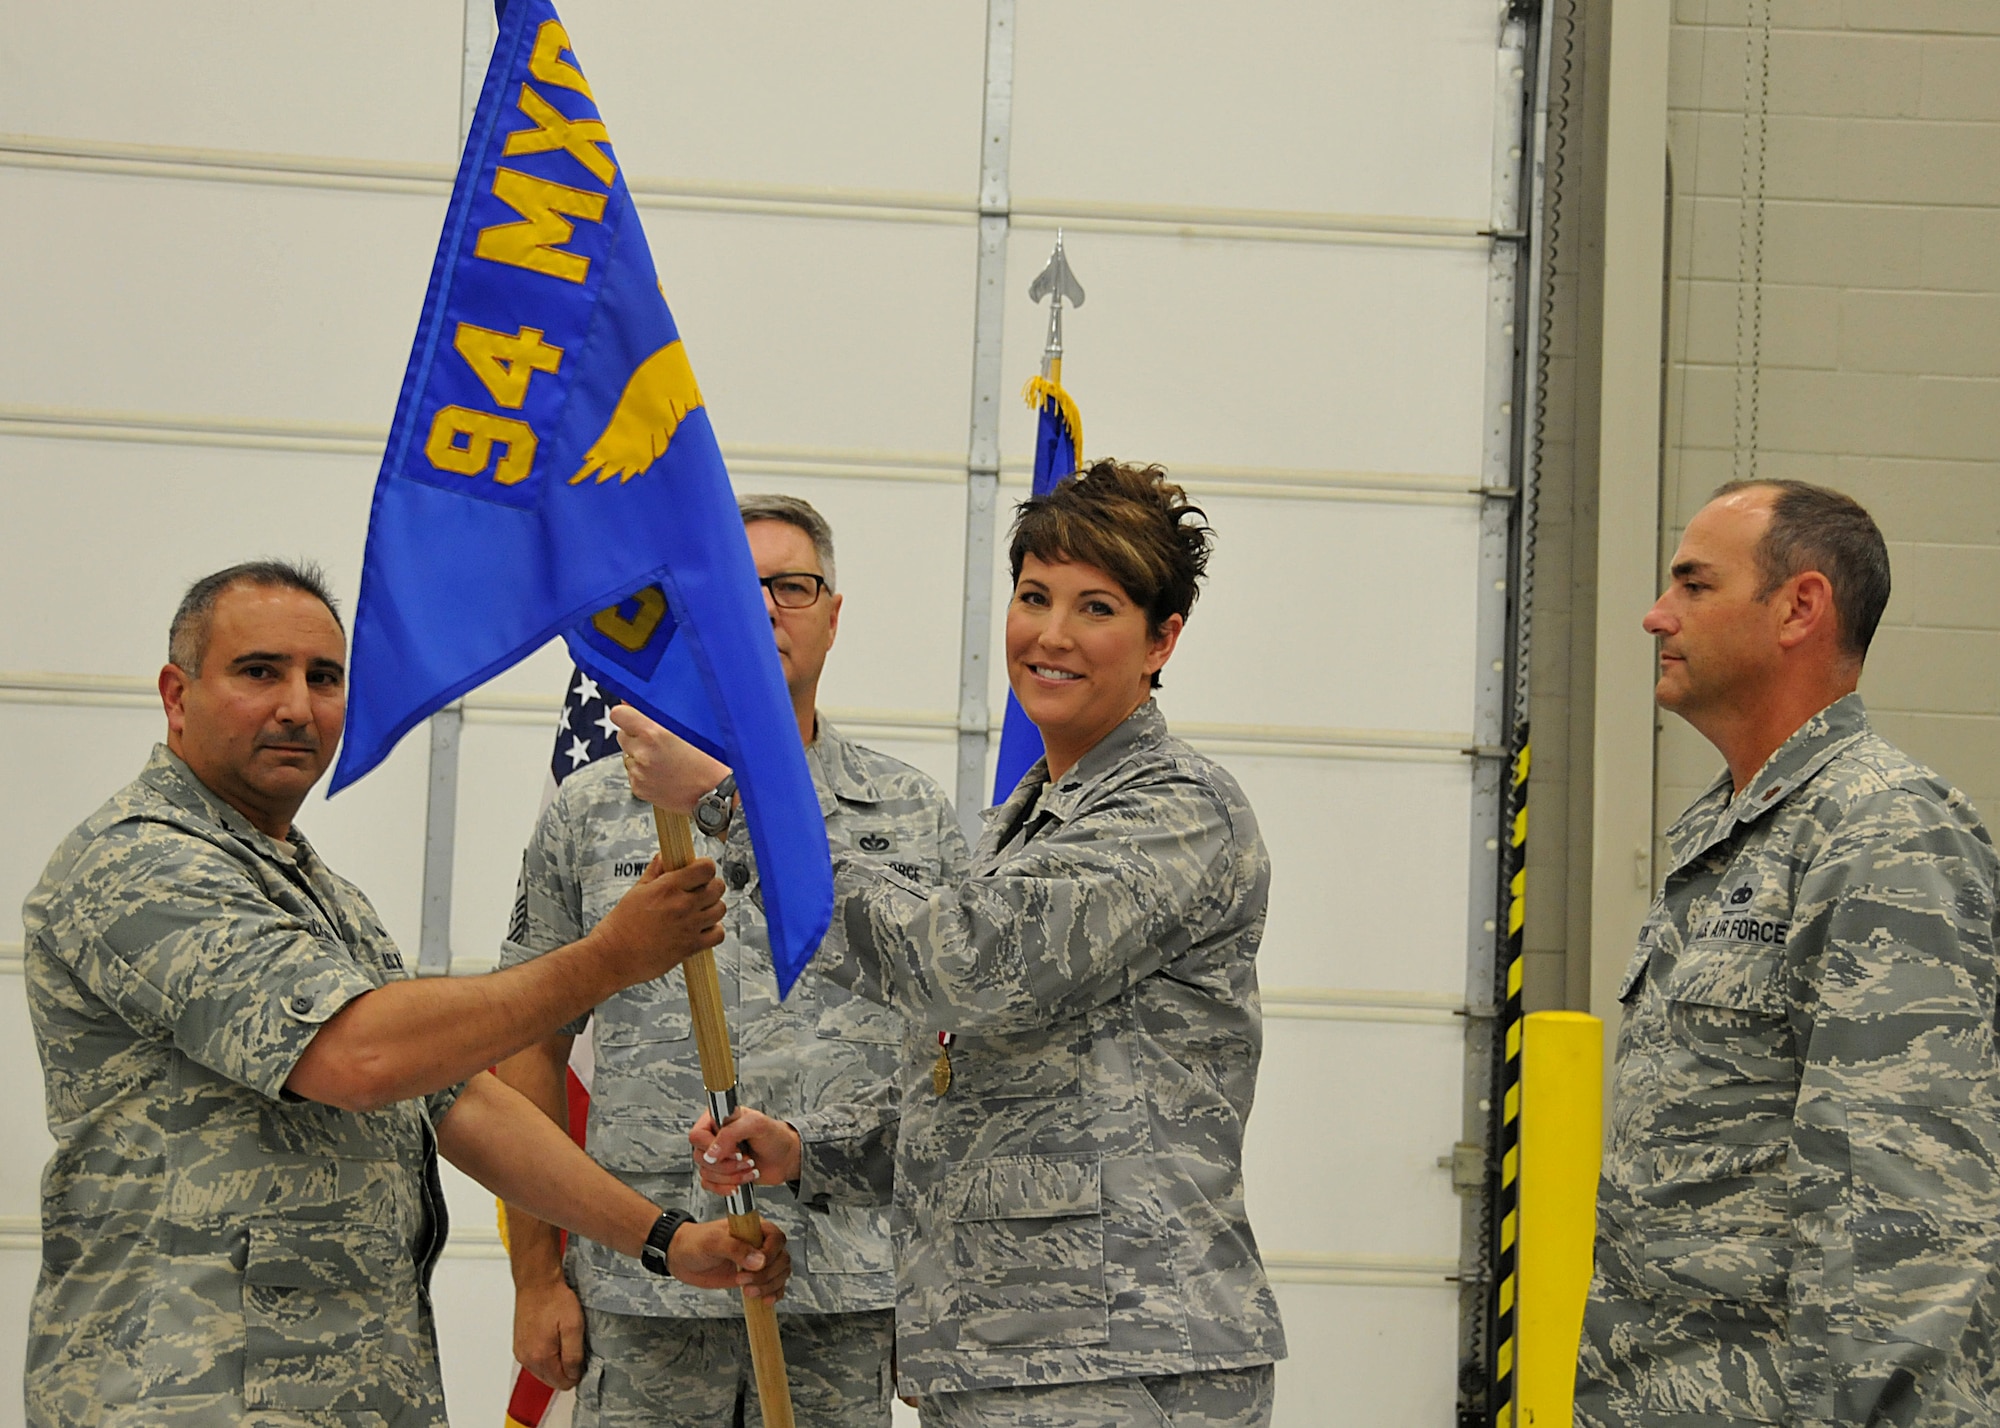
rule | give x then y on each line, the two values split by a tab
180	941
548	897
954	857
1071	921
847	1152
1895	1164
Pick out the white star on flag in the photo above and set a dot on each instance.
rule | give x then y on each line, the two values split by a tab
578	753
586	688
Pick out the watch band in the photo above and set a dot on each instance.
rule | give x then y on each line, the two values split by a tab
712	814
653	1254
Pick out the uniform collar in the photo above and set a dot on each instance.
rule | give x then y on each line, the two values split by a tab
1716	816
845	779
168	775
1143	728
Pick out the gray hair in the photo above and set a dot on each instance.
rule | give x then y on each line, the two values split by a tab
187	636
762	506
1816	528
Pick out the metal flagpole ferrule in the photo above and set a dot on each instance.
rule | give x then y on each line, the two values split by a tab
740	1201
722	1106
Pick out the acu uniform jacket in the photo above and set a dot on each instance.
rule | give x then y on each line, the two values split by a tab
1071	1207
1799	1216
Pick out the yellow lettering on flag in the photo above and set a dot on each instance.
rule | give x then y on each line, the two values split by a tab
480	432
579	138
536	242
547	63
657	398
504	364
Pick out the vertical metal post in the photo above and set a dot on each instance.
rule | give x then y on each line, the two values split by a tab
982	462
440	839
1505	576
441	802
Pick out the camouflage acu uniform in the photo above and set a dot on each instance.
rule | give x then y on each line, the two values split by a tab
1799	1217
823	1059
215	1250
1071	1208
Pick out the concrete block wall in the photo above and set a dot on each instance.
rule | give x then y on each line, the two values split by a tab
1852	336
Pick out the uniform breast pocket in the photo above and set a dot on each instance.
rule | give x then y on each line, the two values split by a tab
331	1317
1027	1245
1732	1052
652	1011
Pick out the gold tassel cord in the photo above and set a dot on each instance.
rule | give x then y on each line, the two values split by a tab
1041	390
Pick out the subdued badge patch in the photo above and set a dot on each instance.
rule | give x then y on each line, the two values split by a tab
875	843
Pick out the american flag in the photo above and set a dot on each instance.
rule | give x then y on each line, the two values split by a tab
584	734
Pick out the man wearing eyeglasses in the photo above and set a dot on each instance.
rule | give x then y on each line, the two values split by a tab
822	1064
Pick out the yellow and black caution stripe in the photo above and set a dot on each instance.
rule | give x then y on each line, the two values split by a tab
1507	1145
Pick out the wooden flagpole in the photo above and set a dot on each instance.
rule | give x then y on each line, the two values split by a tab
718	1076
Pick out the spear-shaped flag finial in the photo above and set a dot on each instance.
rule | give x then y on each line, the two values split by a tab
1058	453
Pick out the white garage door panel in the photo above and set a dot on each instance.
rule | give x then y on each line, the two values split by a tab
817	333
373	79
881	97
29	1144
66	761
1308	356
132	523
473	1300
1368	872
1332	614
1261	106
214	299
1366	1355
502	769
1360	1111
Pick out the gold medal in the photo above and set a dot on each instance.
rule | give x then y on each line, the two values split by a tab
941	1071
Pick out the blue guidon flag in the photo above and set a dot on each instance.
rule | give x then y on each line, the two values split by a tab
552	470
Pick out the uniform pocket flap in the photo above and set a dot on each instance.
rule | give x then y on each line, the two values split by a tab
1026	1187
306	1254
857	1019
1724	975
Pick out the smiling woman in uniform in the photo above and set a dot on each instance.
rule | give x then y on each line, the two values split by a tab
1084	1020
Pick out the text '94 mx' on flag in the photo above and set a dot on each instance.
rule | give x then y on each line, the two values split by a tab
551	470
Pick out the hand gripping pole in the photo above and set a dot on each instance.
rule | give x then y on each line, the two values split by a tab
718	1075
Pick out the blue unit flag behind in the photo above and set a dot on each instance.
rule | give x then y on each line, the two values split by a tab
552	470
1058	450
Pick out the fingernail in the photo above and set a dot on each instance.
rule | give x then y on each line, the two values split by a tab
709	1155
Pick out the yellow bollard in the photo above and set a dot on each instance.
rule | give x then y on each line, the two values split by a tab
1562	1099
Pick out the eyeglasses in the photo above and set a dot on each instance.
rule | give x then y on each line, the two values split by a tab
794	589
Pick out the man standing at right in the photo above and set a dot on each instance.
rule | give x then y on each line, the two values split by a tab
1799	1216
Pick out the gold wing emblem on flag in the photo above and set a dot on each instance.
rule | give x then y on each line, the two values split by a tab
655	401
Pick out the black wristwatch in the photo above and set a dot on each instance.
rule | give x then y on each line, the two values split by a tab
653	1254
712	813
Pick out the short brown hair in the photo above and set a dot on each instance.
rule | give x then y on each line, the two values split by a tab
187	635
1817	528
762	506
1131	523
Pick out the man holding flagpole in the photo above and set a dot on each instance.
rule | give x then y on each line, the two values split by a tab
822	1063
249	1092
